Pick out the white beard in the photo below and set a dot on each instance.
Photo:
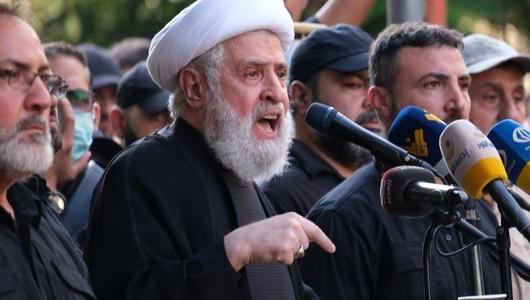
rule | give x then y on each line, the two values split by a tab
237	148
18	158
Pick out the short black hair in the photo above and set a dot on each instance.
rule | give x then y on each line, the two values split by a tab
383	52
54	49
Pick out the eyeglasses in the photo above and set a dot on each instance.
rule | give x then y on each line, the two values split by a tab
24	79
80	99
60	90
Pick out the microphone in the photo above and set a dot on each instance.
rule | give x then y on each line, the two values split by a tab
476	165
418	131
513	142
410	191
519	196
326	119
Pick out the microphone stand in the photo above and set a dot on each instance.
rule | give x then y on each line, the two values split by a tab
439	218
503	245
471	217
427	249
503	240
520	266
452	216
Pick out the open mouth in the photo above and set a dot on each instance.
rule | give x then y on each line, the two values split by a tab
269	122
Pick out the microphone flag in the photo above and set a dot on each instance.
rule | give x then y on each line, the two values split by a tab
471	157
513	142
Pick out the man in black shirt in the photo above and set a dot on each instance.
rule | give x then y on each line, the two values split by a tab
330	66
379	256
38	259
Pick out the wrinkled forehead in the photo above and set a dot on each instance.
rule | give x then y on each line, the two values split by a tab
259	45
20	45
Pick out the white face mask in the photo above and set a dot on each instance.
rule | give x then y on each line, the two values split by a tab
83	133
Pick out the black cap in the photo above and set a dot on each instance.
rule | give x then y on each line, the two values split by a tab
341	47
104	67
137	87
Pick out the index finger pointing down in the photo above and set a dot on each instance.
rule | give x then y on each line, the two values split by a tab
315	234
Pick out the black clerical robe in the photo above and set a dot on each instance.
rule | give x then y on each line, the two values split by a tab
158	220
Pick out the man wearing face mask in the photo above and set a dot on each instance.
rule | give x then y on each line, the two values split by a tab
105	75
69	63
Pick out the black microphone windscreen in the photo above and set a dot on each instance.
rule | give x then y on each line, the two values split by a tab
320	116
393	187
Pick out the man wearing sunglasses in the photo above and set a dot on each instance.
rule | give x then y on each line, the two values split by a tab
38	260
69	63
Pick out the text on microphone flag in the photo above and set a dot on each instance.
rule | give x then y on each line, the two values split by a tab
471	157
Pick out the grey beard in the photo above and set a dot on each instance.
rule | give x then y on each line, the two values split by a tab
237	149
19	159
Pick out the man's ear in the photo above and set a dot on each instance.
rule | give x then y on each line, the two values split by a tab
96	115
191	82
379	98
117	121
301	96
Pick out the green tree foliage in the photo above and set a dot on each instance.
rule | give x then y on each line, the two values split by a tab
461	14
105	22
102	22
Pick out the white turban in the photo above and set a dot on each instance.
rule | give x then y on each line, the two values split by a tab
206	23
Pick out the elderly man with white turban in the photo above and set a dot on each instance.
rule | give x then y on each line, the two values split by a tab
178	215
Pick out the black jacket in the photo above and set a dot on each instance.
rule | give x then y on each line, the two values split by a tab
379	256
158	221
305	180
38	258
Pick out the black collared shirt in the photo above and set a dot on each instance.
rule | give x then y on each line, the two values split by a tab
38	259
306	179
379	256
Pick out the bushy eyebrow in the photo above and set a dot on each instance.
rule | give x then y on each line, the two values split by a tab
442	76
24	66
439	76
